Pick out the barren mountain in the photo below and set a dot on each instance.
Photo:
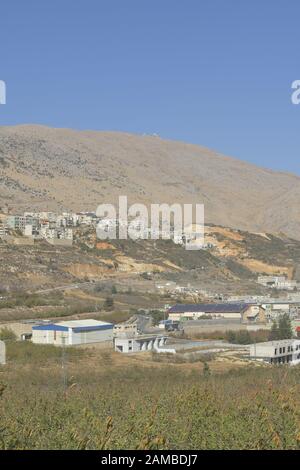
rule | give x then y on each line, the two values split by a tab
49	168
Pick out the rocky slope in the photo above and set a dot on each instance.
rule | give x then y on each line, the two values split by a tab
65	169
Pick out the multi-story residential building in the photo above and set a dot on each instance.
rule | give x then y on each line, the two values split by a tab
286	351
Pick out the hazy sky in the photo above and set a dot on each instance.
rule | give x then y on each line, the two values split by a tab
212	72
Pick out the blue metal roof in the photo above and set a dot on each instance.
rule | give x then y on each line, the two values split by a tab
77	329
209	308
50	327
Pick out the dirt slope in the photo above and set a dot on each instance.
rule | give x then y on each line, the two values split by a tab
67	169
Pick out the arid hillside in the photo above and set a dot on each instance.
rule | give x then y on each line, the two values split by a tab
66	169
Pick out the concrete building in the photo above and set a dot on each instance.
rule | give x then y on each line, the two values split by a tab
16	222
28	230
286	351
246	313
139	343
3	230
277	282
73	332
125	330
253	314
275	309
2	353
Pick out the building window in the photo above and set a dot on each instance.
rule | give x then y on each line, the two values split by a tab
275	351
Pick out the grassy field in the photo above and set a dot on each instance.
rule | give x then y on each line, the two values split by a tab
105	400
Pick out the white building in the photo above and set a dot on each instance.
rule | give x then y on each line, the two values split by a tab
28	230
73	332
277	282
139	343
125	330
2	353
286	351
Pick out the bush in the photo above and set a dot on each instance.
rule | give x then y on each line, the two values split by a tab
147	408
6	334
108	304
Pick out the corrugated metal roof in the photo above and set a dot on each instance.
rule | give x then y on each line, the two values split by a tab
50	327
209	308
82	323
76	326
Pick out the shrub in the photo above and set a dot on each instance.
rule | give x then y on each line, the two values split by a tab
6	334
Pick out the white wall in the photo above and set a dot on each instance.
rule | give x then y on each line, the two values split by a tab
2	353
94	336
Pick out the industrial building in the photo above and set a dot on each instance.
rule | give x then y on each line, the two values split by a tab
73	332
286	351
139	343
246	313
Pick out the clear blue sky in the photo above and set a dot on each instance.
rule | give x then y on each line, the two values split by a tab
212	72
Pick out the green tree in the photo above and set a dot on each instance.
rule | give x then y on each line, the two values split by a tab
157	316
243	337
274	333
6	334
230	336
206	370
285	327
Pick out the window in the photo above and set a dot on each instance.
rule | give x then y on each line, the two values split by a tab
275	351
280	350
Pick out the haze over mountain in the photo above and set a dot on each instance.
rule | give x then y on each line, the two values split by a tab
45	168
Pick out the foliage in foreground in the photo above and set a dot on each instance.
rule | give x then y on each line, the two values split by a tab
146	408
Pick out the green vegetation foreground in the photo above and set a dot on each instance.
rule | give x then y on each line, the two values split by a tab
102	406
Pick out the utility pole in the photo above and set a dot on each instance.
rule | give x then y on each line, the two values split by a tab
64	366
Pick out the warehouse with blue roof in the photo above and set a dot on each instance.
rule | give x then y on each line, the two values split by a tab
74	332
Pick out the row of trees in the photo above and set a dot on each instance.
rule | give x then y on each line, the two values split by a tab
282	329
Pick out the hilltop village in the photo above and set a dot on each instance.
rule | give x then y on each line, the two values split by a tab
174	317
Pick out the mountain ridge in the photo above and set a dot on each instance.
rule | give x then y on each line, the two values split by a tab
57	168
